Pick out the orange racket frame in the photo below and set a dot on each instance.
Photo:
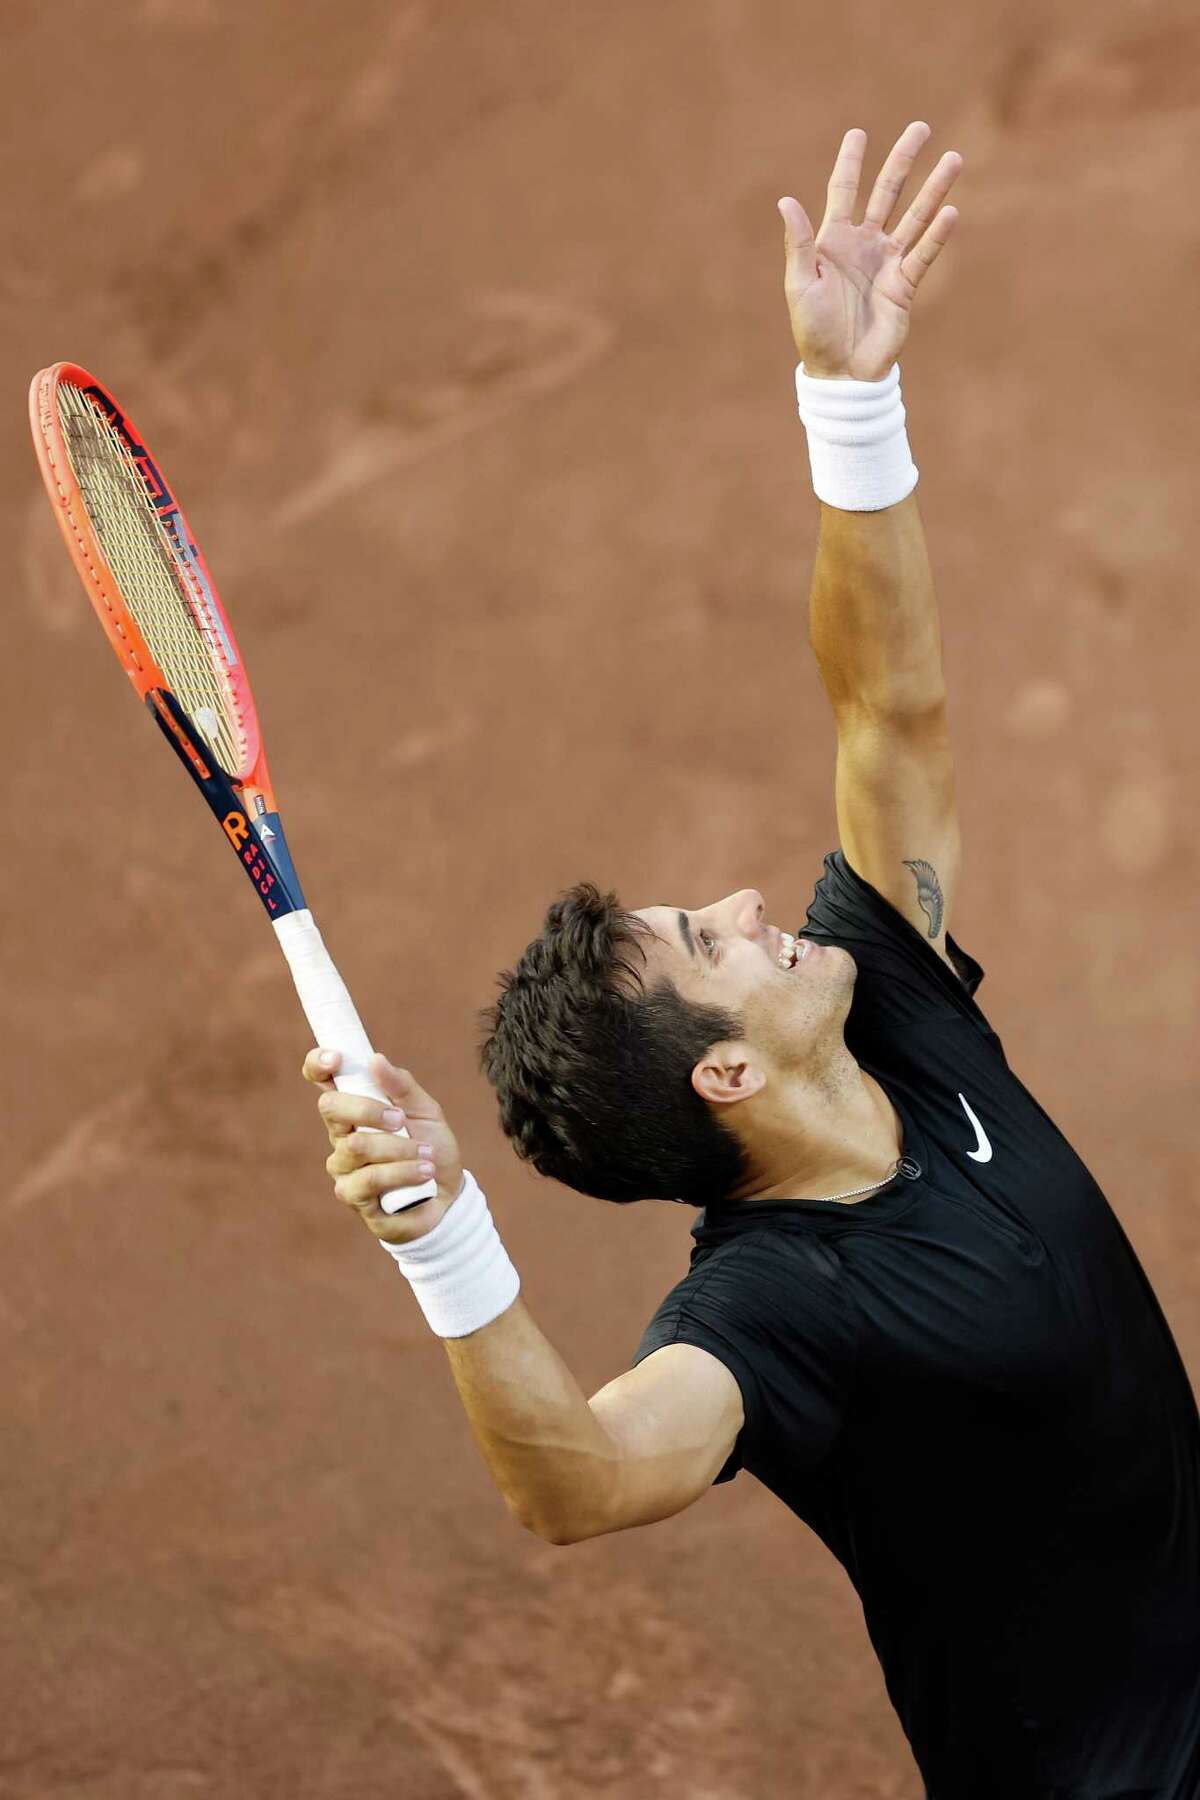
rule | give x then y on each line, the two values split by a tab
242	798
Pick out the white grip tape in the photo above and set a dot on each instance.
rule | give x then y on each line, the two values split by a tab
335	1025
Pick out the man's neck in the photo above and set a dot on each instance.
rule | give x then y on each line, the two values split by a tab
829	1140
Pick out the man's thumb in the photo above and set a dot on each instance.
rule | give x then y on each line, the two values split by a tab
799	248
396	1081
401	1084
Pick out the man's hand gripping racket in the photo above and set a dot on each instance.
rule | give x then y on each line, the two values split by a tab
371	1150
137	559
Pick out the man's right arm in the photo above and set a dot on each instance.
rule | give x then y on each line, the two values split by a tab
644	1447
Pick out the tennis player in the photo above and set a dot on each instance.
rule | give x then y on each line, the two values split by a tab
910	1310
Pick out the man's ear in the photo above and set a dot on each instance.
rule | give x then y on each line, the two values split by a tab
727	1073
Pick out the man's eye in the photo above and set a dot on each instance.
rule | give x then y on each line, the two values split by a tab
708	940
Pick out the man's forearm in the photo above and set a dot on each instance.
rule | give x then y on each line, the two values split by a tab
873	618
547	1452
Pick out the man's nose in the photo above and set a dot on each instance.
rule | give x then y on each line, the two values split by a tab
747	908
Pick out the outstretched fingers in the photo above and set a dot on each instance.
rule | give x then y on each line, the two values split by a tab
895	172
924	208
842	193
921	258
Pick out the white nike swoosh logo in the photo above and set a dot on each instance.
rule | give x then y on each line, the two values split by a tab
983	1150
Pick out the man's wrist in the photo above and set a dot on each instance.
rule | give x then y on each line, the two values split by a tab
857	442
460	1272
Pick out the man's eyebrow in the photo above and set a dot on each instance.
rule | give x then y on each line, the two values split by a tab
685	932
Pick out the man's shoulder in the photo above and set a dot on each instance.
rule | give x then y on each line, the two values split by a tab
758	1272
847	911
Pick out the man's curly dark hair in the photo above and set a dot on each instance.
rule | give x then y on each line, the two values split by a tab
592	1070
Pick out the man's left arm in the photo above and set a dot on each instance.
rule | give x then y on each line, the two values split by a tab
874	630
873	613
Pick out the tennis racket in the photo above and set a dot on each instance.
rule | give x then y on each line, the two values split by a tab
137	558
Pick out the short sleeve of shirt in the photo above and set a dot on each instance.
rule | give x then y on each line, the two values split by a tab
770	1306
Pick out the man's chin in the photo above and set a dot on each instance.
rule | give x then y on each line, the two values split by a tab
840	959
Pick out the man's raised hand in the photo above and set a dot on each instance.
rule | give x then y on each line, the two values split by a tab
850	287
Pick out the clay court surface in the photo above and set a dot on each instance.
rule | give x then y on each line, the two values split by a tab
460	329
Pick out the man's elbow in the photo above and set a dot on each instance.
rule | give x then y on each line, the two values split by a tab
584	1500
563	1531
562	1535
559	1529
918	704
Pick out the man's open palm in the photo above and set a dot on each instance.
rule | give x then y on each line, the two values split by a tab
850	287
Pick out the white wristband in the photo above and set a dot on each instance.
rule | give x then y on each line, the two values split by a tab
857	444
460	1271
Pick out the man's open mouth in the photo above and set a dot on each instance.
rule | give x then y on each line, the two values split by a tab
791	951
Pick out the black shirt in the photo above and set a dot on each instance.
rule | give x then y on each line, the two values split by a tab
965	1385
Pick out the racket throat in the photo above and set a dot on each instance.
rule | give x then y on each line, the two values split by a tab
270	832
257	836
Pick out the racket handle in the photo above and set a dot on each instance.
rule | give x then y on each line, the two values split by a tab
335	1025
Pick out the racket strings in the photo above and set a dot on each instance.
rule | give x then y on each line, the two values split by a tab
162	589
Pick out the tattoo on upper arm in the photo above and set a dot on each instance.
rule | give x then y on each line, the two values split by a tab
929	893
